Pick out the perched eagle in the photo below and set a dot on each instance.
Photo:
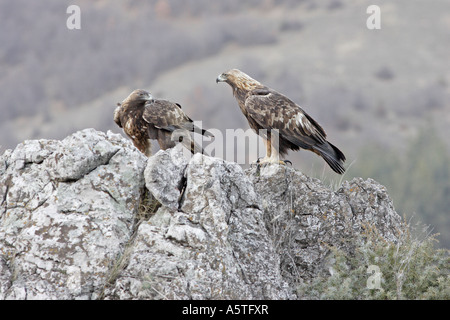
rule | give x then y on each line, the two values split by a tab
281	123
143	118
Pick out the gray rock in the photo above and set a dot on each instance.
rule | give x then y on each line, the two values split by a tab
371	204
67	209
82	153
215	247
305	218
164	175
72	223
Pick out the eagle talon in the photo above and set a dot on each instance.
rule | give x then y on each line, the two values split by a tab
285	162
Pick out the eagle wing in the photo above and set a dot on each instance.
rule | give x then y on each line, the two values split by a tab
272	110
166	115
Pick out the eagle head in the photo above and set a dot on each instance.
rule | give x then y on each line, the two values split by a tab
139	95
238	80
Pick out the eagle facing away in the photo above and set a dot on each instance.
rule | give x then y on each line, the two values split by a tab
281	123
144	118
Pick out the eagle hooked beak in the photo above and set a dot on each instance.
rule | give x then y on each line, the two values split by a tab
221	78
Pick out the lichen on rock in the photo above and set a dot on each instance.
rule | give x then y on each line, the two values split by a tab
71	225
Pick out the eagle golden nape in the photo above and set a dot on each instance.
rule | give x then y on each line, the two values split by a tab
269	110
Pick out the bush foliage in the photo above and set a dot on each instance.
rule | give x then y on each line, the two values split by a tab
409	269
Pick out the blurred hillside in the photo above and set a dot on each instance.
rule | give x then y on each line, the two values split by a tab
376	92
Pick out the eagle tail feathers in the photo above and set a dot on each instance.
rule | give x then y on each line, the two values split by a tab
332	155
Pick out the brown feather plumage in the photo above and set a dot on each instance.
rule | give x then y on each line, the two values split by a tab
144	118
268	109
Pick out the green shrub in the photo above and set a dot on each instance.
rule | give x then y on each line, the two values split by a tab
409	269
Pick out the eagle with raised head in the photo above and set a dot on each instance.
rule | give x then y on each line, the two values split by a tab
281	123
144	118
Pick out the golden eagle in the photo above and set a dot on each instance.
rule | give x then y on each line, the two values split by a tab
281	123
143	118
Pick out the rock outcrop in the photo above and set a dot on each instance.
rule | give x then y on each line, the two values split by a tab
73	224
306	218
67	209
